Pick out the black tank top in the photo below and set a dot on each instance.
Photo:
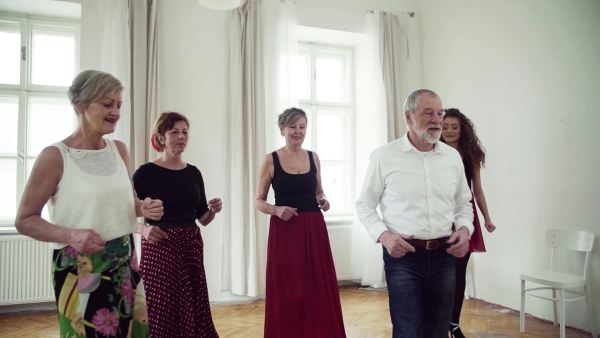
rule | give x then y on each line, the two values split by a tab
295	190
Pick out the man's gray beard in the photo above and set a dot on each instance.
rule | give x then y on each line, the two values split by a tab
424	136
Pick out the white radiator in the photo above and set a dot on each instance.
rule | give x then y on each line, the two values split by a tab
340	238
25	271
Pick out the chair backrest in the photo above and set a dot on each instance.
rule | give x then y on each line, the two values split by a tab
568	239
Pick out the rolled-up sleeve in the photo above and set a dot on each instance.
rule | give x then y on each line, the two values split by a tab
366	205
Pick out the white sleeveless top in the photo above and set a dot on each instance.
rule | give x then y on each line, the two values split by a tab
95	192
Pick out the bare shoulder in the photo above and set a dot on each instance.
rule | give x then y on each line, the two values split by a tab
50	158
268	159
315	156
121	146
122	150
49	164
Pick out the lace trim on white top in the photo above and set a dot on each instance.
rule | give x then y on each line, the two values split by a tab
101	162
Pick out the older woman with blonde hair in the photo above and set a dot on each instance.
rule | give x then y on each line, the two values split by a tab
302	293
93	208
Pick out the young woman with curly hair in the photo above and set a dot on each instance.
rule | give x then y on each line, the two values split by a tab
459	133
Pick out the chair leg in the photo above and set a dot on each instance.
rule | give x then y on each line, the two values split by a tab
555	305
588	302
522	315
562	313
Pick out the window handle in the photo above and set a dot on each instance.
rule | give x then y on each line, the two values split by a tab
21	155
23	53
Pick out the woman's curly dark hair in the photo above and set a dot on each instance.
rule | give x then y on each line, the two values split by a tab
468	143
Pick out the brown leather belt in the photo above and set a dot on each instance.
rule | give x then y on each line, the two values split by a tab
430	244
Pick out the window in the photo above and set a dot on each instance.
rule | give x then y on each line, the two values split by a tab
325	83
38	60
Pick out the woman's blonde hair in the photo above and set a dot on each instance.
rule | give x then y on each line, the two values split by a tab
92	85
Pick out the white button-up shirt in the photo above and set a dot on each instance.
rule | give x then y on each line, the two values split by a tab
419	193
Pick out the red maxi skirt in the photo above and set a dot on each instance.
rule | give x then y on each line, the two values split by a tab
303	297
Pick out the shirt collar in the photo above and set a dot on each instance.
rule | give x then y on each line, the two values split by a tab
406	145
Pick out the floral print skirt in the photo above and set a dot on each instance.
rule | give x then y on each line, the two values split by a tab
100	295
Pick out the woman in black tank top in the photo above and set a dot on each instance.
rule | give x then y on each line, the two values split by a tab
302	292
459	133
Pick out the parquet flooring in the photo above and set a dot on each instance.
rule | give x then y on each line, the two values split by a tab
365	316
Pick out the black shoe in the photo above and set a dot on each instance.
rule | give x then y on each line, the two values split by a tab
455	331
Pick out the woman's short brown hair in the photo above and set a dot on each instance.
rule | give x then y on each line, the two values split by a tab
165	122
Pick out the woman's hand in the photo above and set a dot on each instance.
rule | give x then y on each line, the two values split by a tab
324	204
490	226
86	241
285	213
215	205
152	234
152	209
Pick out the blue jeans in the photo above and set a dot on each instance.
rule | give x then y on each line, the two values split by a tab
421	292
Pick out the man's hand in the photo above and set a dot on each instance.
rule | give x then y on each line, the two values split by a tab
459	243
396	244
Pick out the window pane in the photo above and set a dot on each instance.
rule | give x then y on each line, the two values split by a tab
308	144
335	179
332	78
53	58
51	119
9	115
332	139
8	197
301	80
10	56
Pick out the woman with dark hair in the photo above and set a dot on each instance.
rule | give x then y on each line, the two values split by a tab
459	133
302	292
172	248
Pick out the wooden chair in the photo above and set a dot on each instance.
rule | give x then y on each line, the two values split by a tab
561	282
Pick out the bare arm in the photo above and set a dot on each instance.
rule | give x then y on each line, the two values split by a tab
149	208
323	202
214	206
262	190
481	202
42	184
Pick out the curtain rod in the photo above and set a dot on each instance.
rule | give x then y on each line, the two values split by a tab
411	14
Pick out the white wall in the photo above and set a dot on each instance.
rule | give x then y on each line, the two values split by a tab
528	74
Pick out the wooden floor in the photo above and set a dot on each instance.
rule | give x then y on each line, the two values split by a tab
365	315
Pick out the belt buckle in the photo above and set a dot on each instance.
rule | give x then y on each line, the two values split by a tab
432	247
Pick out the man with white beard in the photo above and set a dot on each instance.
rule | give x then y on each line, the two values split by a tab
426	218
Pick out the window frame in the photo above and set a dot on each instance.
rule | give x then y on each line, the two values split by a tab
25	89
347	107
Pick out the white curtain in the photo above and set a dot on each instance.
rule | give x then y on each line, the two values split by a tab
245	148
371	116
263	44
152	111
395	53
281	49
112	51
